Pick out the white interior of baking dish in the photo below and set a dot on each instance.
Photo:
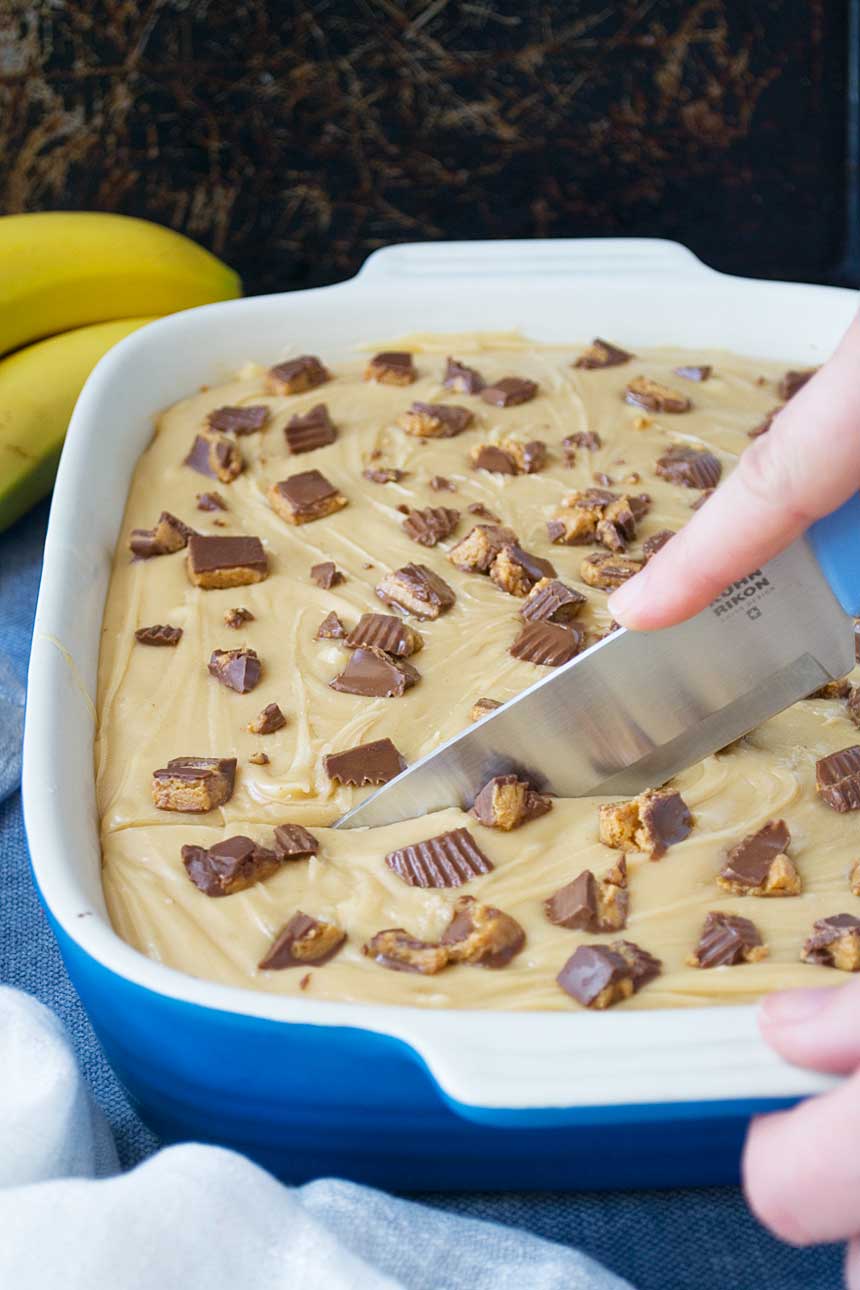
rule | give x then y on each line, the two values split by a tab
637	292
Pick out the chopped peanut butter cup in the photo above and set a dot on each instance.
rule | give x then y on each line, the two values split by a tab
297	375
293	842
482	935
759	866
436	420
169	534
601	353
598	976
237	618
304	940
430	525
372	763
588	440
268	721
239	421
216	562
516	571
694	373
607	571
458	376
305	497
726	940
651	822
447	860
653	396
228	866
216	455
160	634
307	431
330	629
211	502
837	779
552	601
395	367
374	674
509	392
395	949
691	467
656	542
237	669
384	474
835	942
194	784
591	906
547	644
385	632
481	707
507	802
326	575
417	590
794	381
476	552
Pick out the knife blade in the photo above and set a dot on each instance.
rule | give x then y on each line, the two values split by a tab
637	707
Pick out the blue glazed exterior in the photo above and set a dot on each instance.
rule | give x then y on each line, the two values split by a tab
307	1101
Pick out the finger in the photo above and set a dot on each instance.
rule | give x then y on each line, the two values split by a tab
852	1265
801	1168
806	465
815	1028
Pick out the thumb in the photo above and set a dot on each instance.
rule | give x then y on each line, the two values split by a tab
805	466
815	1028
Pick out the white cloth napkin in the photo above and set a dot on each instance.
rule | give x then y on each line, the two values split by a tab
199	1218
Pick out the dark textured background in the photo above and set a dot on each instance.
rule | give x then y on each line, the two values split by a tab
293	138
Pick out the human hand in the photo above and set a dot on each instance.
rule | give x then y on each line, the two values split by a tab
804	467
802	1167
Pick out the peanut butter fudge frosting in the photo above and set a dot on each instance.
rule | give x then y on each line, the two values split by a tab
328	567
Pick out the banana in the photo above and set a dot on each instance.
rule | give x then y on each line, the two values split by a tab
65	269
39	386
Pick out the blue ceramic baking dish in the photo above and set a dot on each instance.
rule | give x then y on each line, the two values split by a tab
399	1097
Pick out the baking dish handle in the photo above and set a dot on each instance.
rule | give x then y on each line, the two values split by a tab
650	258
835	541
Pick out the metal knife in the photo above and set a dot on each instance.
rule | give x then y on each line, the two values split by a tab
638	707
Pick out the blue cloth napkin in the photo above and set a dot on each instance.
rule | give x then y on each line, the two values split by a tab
675	1240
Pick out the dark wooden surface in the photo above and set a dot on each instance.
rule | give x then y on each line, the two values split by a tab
294	138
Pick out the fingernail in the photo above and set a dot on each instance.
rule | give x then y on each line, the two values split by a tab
627	599
790	1007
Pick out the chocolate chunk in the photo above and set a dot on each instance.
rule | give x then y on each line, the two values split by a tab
598	976
440	484
326	575
372	763
394	948
482	935
694	373
238	669
551	601
486	456
430	525
481	707
758	865
416	590
478	508
293	842
601	353
308	431
237	618
642	392
217	561
194	784
459	377
259	759
692	467
297	375
268	721
228	866
375	675
244	420
727	939
589	440
302	941
651	822
169	534
507	802
835	942
394	367
516	571
476	552
215	455
211	502
305	497
436	420
764	425
837	779
794	381
509	392
607	571
591	906
385	632
384	474
547	644
330	629
656	542
161	634
447	860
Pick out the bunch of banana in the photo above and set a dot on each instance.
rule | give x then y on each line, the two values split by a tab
84	280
